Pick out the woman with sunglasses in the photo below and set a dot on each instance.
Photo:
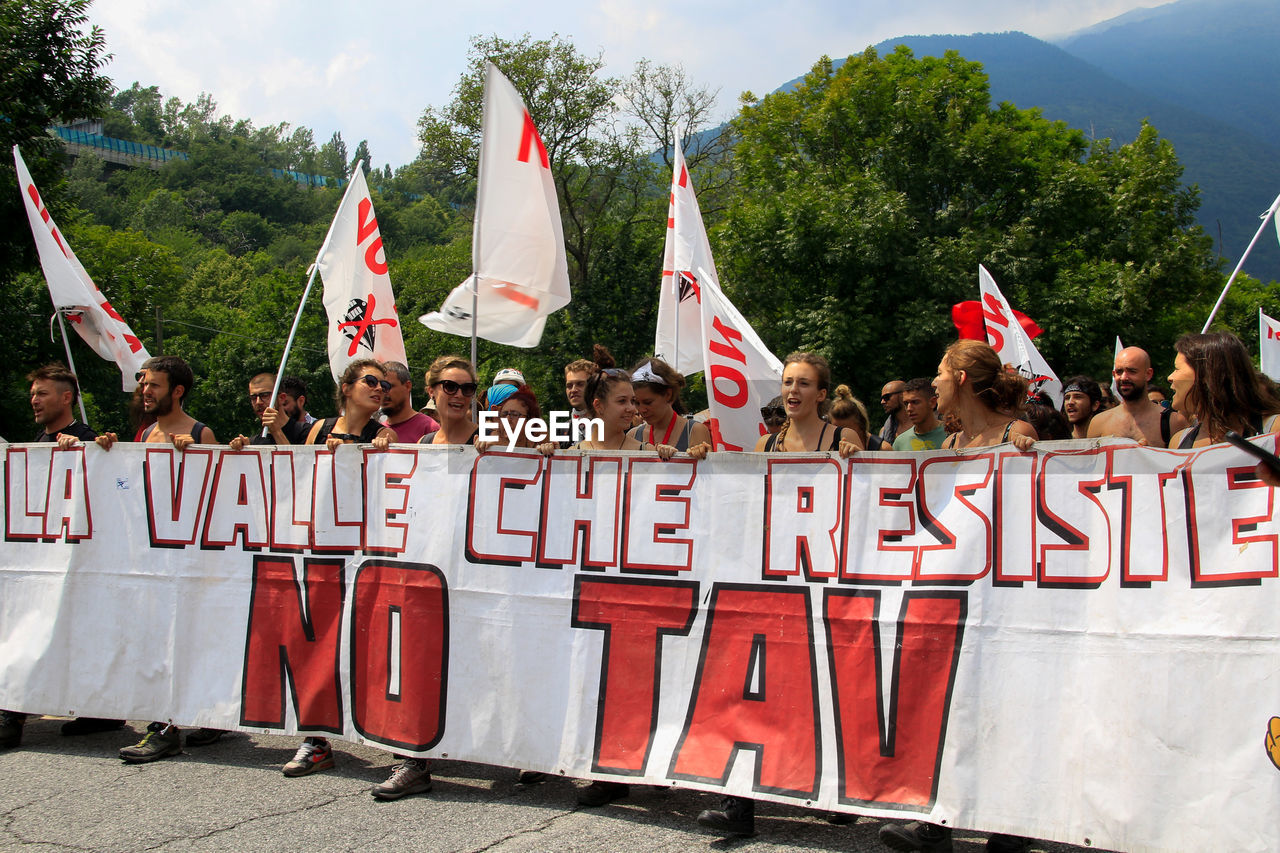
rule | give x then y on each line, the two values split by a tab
451	382
359	398
657	389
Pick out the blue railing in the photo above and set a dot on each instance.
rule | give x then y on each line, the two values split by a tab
120	146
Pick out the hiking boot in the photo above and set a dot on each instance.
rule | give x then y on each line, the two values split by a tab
314	755
917	835
11	723
531	777
90	726
204	737
411	776
1000	843
602	793
160	741
736	816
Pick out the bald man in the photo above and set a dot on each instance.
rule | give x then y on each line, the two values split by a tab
1136	417
891	401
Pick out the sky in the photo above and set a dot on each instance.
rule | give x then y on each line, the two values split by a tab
369	69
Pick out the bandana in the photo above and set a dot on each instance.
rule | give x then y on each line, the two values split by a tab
498	394
646	374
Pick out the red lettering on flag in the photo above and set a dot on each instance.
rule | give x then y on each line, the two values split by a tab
529	137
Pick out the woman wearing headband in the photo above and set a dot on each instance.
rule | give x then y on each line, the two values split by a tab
451	382
657	386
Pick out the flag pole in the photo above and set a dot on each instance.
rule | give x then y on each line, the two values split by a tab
71	362
288	345
1265	219
485	124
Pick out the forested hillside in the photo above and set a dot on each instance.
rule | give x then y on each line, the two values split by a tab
849	215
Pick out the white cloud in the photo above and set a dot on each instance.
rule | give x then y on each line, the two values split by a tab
370	72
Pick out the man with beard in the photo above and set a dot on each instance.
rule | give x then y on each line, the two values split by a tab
54	392
1081	400
397	406
165	382
1136	417
891	401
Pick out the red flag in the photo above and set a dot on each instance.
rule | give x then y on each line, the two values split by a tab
967	317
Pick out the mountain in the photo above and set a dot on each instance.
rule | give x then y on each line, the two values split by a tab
1217	57
1238	173
1201	71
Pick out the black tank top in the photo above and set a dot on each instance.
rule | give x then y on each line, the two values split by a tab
771	446
196	432
367	435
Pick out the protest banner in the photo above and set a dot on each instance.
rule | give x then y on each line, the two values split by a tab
1075	644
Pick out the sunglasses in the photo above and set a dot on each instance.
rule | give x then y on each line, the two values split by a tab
373	382
884	397
450	387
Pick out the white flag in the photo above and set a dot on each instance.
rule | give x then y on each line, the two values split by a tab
1011	341
520	272
1115	389
741	374
1269	344
357	290
74	293
679	335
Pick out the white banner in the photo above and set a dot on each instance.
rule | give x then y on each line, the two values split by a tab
521	273
1269	344
1076	645
73	291
1011	341
363	322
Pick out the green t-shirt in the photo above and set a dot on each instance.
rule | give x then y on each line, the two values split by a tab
909	440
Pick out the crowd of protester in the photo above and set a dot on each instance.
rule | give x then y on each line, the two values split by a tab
973	401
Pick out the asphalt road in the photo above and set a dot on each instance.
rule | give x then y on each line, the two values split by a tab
60	793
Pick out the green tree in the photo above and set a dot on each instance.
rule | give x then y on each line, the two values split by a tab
49	63
867	197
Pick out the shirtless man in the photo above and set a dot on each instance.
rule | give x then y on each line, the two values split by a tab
165	381
1136	417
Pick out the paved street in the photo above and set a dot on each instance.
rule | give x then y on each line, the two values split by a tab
59	793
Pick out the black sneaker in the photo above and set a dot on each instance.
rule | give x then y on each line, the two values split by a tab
204	737
917	835
160	741
531	777
11	723
736	816
411	776
90	726
602	793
